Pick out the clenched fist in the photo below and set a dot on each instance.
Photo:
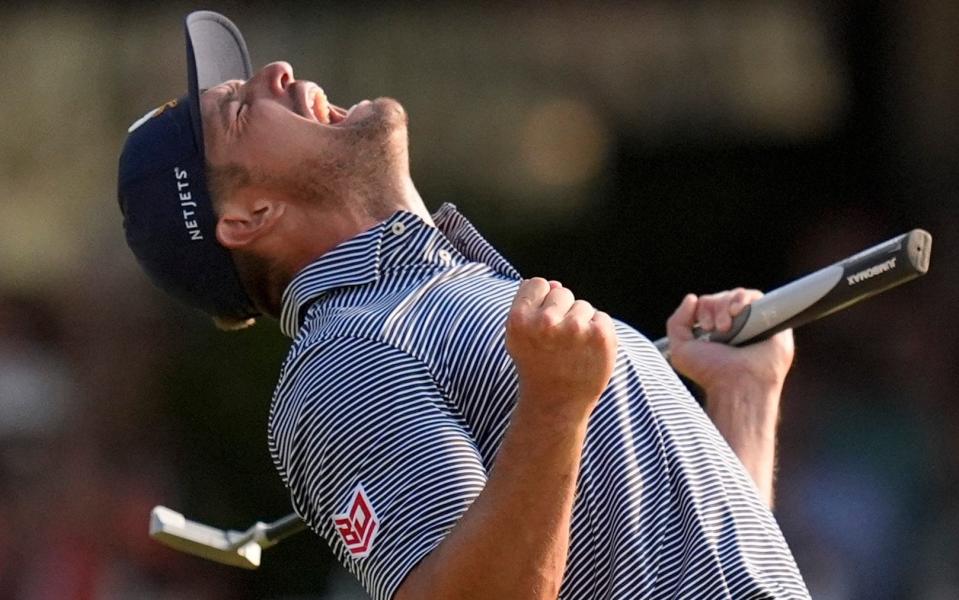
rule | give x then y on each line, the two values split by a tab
564	349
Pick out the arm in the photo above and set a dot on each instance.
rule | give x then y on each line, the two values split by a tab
513	540
743	385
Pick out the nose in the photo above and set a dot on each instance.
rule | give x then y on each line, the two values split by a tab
274	78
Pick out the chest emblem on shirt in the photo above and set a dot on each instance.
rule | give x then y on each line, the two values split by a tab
358	525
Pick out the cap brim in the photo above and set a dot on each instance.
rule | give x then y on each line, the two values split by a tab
216	52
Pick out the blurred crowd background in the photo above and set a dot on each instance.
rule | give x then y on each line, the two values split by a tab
633	150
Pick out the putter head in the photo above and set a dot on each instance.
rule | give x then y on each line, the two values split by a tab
226	547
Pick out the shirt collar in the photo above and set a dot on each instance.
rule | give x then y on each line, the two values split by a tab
402	239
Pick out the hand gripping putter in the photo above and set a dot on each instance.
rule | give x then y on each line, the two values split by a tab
812	297
828	290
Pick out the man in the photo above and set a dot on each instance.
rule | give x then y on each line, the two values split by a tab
452	430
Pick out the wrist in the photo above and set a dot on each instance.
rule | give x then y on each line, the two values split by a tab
749	407
551	410
747	414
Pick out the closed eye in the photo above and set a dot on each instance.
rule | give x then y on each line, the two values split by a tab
227	96
236	97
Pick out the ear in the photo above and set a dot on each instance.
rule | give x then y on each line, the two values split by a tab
246	218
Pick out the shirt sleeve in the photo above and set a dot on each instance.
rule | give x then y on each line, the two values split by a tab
377	461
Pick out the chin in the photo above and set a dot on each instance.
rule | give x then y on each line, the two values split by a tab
386	128
389	110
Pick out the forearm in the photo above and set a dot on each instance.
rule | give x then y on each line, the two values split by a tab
747	415
743	385
512	542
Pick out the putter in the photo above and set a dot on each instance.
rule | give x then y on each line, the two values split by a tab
812	297
229	547
828	290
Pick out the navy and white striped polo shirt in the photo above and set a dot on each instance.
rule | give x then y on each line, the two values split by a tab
395	397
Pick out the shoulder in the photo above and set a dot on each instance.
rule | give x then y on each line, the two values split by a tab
321	352
347	369
340	394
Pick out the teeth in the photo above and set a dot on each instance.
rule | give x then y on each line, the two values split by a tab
321	107
314	104
325	109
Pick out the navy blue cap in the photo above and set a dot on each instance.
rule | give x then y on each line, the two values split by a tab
167	211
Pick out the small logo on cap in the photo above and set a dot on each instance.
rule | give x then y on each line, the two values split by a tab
156	112
187	203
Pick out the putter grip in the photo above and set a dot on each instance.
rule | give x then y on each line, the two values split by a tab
827	290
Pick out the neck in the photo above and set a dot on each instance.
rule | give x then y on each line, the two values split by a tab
310	232
410	201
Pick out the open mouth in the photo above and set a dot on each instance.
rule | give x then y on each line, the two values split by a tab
322	110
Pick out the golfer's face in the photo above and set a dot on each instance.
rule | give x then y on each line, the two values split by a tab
273	119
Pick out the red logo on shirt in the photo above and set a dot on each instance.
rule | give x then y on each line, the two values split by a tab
357	527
